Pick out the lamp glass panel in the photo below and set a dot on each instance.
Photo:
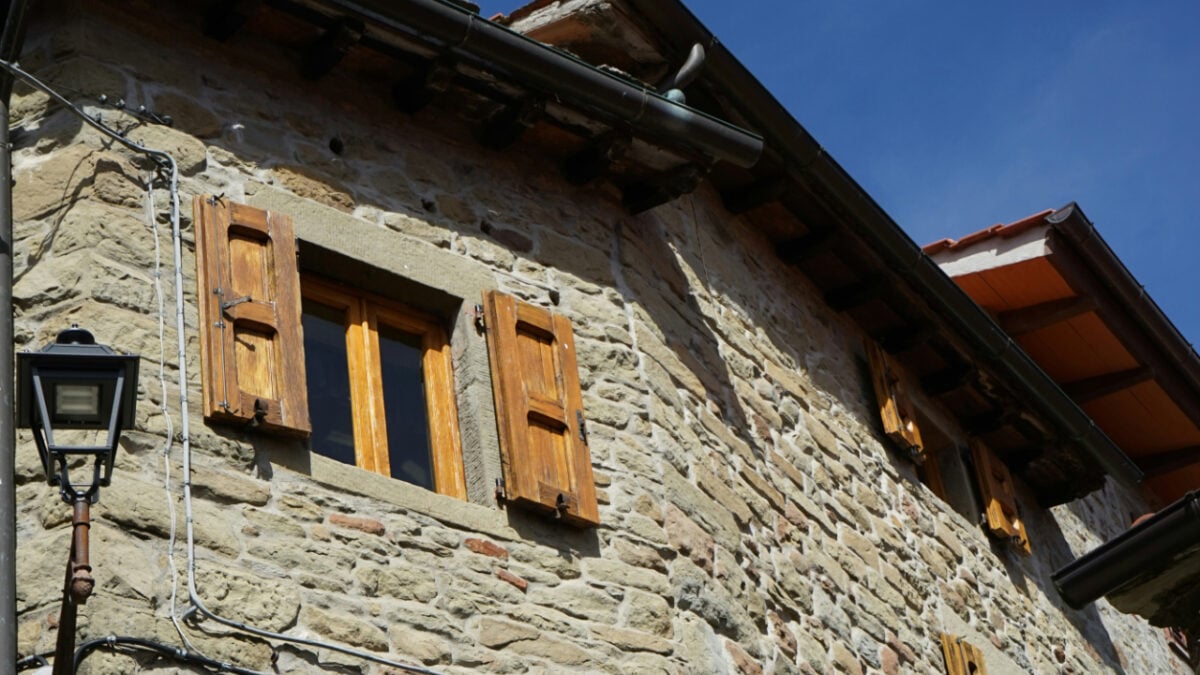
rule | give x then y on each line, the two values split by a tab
76	400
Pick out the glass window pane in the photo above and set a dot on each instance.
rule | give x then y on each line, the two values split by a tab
401	355
328	381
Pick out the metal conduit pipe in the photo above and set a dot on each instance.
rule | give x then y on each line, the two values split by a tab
870	223
1137	550
11	38
561	76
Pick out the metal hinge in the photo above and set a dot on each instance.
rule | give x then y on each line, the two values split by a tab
480	325
500	494
582	425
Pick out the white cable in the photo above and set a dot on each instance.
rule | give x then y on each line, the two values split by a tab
166	413
167	161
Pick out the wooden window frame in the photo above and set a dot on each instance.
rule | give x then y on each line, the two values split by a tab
365	312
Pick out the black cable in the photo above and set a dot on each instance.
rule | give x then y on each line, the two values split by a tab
114	641
33	661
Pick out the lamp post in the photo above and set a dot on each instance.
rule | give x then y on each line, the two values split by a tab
75	384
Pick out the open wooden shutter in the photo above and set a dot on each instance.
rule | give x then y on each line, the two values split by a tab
251	343
539	409
999	498
962	657
895	409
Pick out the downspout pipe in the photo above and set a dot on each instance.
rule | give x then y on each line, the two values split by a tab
561	76
807	160
11	38
1143	548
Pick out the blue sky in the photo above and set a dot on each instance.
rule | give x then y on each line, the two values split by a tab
959	115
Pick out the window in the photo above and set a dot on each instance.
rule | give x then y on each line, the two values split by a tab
380	387
369	380
937	457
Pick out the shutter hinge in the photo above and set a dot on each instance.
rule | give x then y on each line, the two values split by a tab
480	325
582	425
500	494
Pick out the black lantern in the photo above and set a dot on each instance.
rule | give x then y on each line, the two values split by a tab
75	383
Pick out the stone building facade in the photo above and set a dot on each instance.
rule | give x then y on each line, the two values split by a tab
752	516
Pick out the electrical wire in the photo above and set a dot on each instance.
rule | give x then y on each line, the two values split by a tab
119	643
166	412
167	163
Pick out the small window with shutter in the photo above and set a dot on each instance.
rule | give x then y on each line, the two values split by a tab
962	657
895	407
1000	512
249	294
543	440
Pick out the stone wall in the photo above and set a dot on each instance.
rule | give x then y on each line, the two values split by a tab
752	520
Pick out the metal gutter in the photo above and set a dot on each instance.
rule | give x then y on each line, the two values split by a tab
560	76
1144	548
805	157
11	39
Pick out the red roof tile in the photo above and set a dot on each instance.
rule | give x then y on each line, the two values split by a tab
1003	231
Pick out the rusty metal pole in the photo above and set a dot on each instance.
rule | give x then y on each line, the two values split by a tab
77	587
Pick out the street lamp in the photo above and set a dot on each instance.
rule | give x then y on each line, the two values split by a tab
75	384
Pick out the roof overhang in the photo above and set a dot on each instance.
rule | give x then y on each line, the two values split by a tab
1059	290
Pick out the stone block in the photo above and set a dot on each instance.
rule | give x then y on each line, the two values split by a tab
345	629
427	648
228	487
716	520
631	640
398	580
269	603
498	633
578	599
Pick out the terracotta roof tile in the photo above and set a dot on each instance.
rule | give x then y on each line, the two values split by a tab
1003	231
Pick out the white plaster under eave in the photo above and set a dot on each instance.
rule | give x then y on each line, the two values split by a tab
995	252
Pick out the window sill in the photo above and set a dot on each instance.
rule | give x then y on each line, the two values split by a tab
449	510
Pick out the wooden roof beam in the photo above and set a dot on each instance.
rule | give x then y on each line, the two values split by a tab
660	189
1025	320
411	94
1166	462
1092	388
223	19
504	127
856	294
747	198
797	250
947	380
594	160
329	49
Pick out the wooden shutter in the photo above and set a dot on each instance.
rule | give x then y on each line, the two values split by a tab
895	408
539	410
999	498
251	344
962	657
